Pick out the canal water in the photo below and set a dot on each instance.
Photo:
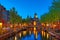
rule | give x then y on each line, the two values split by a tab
32	35
29	36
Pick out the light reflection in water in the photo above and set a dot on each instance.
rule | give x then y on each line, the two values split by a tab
24	33
29	32
34	30
36	35
15	38
44	34
47	35
20	34
32	36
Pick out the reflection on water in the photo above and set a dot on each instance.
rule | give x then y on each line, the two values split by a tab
20	34
45	35
24	33
42	33
32	35
30	32
15	38
36	35
35	30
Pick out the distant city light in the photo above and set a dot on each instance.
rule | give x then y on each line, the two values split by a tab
47	24
0	24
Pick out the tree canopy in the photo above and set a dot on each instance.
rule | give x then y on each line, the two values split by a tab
14	17
53	14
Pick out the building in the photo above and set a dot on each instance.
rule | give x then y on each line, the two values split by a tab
4	15
35	20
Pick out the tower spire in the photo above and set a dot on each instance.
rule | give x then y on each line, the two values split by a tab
35	15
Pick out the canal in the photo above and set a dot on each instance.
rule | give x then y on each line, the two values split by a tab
32	35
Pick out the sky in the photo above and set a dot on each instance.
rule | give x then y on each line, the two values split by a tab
28	7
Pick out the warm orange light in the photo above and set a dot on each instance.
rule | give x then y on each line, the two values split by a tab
34	28
42	33
54	25
47	24
11	26
20	34
25	24
47	35
15	38
43	24
34	22
36	35
0	24
24	32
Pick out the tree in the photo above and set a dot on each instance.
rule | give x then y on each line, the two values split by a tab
55	10
53	14
27	19
14	17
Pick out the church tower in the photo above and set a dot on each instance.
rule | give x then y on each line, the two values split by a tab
35	15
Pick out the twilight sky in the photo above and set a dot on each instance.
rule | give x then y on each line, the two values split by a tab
28	7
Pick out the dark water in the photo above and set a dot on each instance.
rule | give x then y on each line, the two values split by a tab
32	37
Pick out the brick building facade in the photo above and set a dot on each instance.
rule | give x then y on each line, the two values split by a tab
4	15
